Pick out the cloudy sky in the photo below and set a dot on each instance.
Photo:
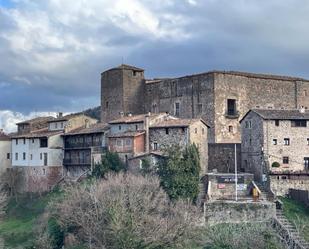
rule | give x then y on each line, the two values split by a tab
53	51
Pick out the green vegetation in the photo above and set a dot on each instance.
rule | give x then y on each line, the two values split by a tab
110	162
179	173
275	165
298	215
18	226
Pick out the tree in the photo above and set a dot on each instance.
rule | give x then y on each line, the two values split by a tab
125	212
110	162
180	172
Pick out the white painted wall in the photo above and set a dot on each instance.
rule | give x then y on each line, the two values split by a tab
35	154
57	126
5	148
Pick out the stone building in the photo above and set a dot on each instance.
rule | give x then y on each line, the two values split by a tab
83	148
38	149
220	97
275	147
136	137
5	151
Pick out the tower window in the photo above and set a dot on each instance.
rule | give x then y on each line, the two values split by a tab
177	109
275	141
166	131
286	141
276	122
231	107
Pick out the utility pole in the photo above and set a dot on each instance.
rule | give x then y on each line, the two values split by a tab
236	178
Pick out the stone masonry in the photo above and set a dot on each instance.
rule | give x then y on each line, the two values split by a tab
219	97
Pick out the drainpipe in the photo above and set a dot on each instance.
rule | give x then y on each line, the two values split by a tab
147	132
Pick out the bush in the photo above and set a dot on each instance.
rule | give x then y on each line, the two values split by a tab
180	173
55	233
110	162
275	165
126	211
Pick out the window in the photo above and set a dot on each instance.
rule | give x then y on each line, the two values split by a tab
61	125
286	141
275	141
305	93
231	107
136	127
306	163
31	157
285	160
195	130
299	123
8	155
177	109
276	122
230	128
119	143
119	127
183	130
250	141
16	156
41	156
248	124
24	140
24	156
43	143
134	73
16	141
33	140
155	146
106	104
56	125
203	131
166	131
128	142
44	172
307	141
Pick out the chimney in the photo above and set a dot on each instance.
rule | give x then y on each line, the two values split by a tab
147	132
60	115
302	109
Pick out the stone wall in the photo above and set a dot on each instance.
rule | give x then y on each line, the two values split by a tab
221	157
280	184
222	186
238	212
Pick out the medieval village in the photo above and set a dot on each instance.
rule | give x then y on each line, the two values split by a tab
167	124
212	138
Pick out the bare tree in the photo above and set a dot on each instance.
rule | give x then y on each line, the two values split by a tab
126	211
11	180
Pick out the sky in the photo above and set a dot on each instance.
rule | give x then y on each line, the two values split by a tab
53	51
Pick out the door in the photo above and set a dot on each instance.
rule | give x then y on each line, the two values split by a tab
45	159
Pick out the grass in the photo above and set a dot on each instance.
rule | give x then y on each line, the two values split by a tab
17	227
297	214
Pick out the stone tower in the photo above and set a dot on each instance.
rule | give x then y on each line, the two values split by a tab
122	92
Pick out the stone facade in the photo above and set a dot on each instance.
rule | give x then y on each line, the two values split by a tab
219	97
5	151
280	184
221	157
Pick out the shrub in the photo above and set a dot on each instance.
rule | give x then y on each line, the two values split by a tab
179	174
275	165
110	162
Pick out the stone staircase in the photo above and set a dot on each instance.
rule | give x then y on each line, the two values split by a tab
289	232
264	195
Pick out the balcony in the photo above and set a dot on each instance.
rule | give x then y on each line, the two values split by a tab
77	162
232	114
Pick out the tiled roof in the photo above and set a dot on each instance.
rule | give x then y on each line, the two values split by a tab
37	134
127	67
176	123
281	114
94	128
68	117
37	120
127	134
134	118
